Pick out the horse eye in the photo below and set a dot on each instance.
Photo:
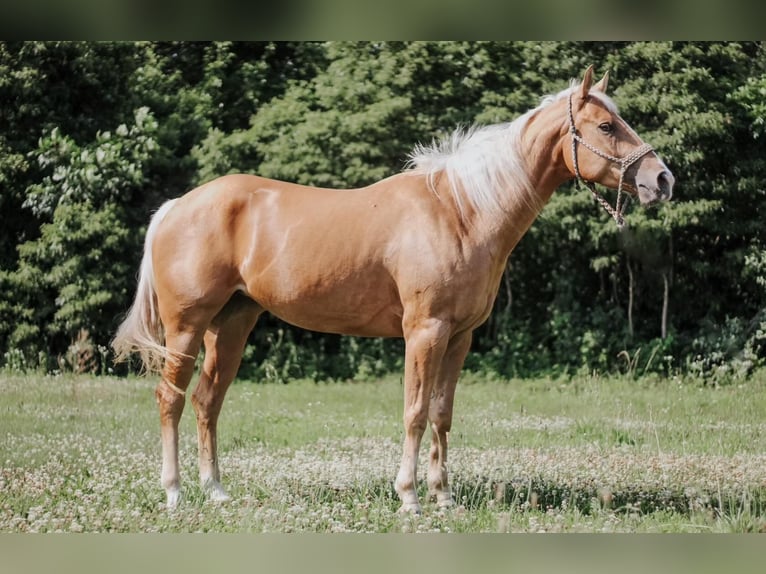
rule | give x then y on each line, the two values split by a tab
606	128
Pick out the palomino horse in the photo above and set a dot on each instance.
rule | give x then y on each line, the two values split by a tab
418	255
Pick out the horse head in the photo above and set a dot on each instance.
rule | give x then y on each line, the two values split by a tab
606	150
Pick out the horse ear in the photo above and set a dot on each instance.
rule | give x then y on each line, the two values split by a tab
587	81
602	83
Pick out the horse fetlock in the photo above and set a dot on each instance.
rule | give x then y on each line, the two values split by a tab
407	494
440	492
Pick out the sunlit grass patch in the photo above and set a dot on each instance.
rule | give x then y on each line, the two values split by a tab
613	455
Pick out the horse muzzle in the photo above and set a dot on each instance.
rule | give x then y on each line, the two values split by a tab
654	188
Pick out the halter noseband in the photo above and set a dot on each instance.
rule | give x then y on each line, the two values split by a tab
624	163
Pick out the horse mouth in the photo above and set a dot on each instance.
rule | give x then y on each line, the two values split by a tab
629	188
648	196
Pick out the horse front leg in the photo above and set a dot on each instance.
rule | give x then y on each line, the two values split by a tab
425	345
440	415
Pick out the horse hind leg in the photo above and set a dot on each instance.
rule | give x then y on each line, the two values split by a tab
224	343
170	393
185	326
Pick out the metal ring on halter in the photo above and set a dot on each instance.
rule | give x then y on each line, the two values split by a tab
624	163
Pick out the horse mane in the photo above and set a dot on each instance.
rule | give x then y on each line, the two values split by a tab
482	163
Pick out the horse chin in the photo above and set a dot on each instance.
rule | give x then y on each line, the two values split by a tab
649	197
645	196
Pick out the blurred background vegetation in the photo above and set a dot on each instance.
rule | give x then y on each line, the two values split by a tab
94	136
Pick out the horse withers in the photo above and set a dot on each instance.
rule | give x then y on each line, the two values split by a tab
418	255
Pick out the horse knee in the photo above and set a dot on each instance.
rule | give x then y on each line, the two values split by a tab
440	417
415	420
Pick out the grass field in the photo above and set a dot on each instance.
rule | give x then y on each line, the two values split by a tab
584	455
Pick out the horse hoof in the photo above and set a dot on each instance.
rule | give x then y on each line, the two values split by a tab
411	508
219	495
173	498
216	492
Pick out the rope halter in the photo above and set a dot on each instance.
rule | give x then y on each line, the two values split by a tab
624	163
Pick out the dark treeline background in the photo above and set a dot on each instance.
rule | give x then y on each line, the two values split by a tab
94	136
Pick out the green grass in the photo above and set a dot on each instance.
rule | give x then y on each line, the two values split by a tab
590	454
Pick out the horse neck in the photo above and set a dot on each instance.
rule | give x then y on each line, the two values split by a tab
542	146
542	143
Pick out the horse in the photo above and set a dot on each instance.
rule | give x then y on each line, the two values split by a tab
418	255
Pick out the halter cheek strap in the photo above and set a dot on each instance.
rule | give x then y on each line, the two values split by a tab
624	163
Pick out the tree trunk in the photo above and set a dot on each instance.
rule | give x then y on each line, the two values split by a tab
507	283
665	297
630	300
667	277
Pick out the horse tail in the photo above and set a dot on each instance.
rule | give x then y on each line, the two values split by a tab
142	330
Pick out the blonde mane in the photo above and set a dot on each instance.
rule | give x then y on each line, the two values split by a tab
485	163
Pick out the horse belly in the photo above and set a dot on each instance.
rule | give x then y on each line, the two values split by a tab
365	309
383	324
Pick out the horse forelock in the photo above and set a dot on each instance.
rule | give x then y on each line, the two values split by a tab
575	85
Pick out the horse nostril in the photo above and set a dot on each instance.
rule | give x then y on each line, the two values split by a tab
665	184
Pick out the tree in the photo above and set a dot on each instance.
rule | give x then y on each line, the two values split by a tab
97	135
73	276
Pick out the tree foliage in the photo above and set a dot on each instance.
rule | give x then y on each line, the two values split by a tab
94	136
